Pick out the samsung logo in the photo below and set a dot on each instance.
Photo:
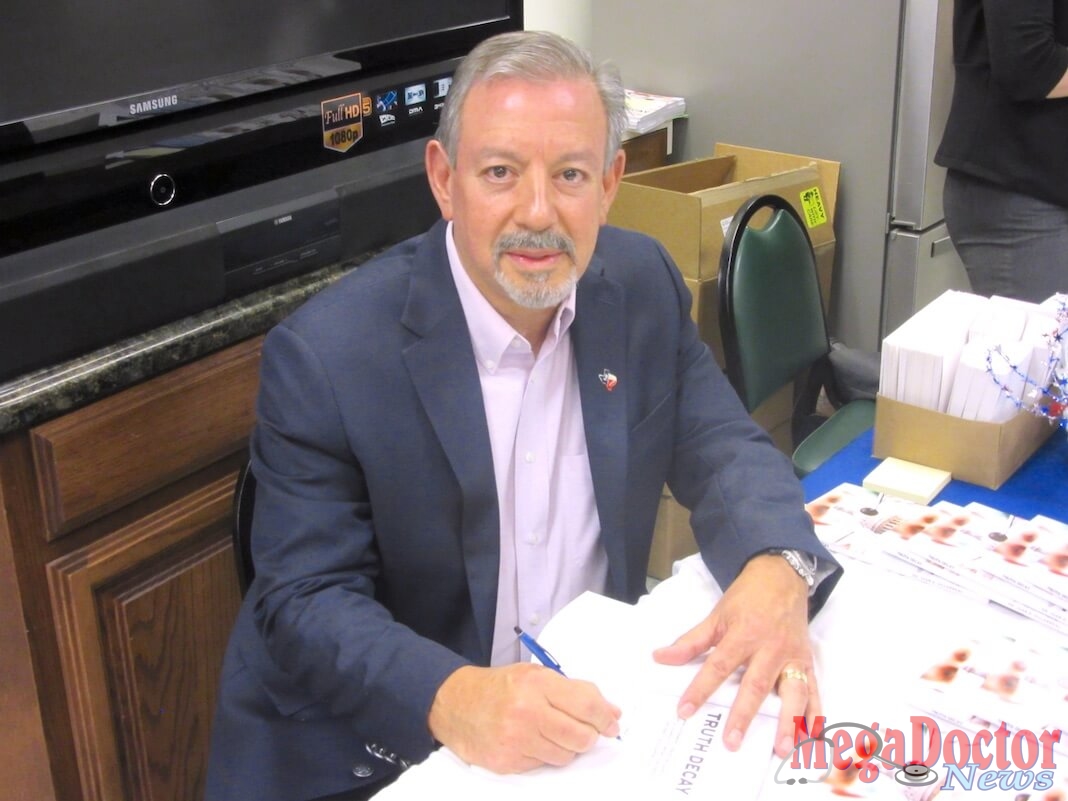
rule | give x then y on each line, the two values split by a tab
155	104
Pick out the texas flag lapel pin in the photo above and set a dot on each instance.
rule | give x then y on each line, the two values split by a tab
608	378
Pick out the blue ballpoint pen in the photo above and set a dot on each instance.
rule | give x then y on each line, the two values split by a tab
540	653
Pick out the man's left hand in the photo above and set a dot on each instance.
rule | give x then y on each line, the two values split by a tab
760	624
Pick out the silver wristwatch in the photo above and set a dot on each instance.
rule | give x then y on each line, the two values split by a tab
801	562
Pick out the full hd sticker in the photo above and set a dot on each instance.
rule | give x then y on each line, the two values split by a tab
343	121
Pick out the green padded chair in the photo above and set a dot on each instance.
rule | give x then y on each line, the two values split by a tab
774	331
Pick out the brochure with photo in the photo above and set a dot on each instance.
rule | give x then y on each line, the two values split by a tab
958	541
846	507
882	530
981	680
1017	568
973	550
1051	550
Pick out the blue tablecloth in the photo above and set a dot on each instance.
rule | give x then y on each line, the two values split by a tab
1040	486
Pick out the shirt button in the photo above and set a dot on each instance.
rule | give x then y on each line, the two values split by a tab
534	620
489	364
528	457
362	771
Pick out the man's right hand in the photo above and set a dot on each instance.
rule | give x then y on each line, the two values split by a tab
514	718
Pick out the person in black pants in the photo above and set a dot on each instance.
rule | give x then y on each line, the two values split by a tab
1006	146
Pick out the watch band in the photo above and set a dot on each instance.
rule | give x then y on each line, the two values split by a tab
803	564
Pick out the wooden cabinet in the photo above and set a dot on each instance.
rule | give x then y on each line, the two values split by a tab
646	151
118	586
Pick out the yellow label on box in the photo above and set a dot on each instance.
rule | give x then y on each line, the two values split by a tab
812	204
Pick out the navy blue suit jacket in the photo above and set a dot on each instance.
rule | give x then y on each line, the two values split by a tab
376	534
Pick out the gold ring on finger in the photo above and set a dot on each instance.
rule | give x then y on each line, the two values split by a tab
794	673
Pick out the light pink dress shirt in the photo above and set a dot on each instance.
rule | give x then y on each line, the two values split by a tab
550	532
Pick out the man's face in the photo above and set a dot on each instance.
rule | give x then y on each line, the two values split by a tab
528	192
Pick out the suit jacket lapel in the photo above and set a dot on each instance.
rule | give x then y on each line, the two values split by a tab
599	336
442	366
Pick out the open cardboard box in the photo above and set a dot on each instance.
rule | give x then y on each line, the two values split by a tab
688	207
976	452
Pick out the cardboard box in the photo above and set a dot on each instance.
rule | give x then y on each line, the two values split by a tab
688	207
979	453
672	537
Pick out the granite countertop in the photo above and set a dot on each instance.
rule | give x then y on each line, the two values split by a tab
50	392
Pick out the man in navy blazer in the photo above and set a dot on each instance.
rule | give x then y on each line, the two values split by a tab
369	634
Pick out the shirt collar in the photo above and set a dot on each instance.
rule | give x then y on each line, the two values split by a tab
491	334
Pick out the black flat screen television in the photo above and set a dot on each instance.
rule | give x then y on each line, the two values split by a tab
110	113
158	157
70	69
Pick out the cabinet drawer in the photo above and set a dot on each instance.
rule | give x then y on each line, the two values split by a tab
97	459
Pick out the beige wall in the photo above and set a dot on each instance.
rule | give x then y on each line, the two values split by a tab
571	18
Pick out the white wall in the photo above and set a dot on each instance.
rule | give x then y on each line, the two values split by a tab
570	18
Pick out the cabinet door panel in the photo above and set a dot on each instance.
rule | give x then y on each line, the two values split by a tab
167	631
142	616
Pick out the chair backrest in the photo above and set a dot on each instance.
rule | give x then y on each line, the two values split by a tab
770	310
241	529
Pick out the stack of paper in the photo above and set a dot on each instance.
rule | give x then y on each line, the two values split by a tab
1045	355
920	357
999	320
989	385
646	112
971	357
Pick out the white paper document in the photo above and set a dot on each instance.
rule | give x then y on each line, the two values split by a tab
657	756
611	644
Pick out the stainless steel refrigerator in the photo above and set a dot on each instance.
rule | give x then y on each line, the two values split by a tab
863	82
921	262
